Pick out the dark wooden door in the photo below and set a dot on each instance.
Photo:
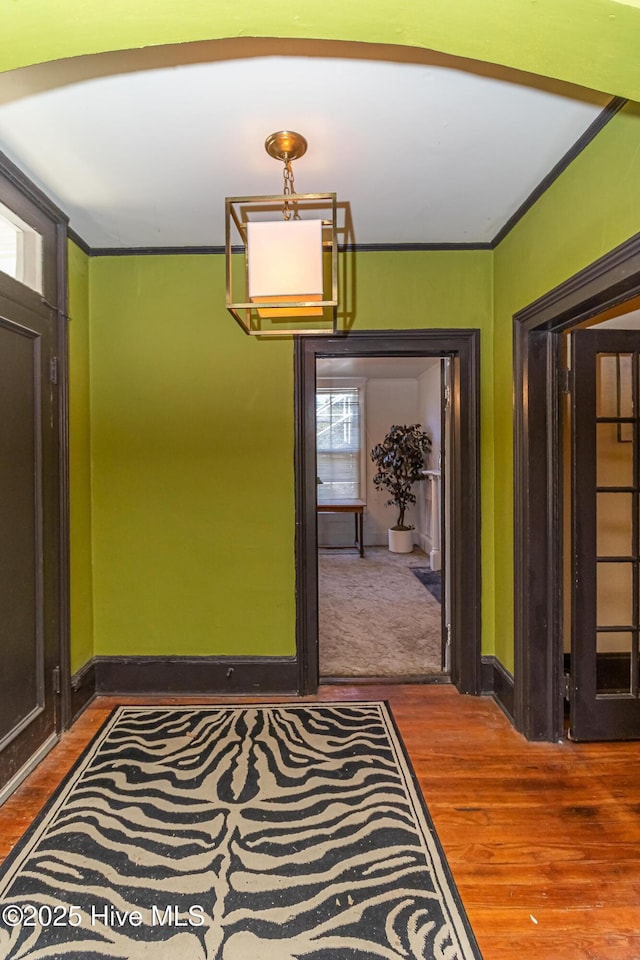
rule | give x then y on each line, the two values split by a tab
605	687
29	521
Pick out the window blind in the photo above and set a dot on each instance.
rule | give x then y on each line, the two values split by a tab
338	432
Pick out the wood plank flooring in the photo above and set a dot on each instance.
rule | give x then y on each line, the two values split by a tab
543	839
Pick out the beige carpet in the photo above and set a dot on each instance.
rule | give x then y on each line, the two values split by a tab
376	618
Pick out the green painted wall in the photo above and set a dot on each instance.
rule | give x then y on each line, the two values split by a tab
185	412
590	42
591	208
192	422
80	461
193	467
192	442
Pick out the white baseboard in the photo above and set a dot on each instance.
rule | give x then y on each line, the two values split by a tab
424	542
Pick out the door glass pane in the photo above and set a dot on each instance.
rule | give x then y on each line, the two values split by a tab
613	662
614	594
624	377
614	525
614	385
614	457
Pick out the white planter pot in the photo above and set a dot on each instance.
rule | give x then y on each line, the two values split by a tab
400	541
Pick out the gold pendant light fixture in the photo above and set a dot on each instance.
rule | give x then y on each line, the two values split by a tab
281	254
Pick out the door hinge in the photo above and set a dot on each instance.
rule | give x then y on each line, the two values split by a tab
447	649
53	370
447	397
567	686
566	380
56	679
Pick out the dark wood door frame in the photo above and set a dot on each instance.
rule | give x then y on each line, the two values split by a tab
537	329
26	199
464	347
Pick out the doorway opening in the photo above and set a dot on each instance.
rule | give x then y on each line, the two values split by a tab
460	350
540	386
381	612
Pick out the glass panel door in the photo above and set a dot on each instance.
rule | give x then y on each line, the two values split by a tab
605	540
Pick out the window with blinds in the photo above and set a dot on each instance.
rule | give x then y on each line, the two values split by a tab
339	420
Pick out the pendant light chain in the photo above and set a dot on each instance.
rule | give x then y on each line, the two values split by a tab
290	209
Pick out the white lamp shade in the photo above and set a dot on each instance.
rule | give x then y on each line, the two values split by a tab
285	263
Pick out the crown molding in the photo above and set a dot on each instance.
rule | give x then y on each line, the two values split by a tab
613	107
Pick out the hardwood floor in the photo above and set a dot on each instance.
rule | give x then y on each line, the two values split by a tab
543	839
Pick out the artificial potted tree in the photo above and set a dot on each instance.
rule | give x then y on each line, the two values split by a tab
400	460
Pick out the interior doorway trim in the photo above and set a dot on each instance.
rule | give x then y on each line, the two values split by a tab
604	284
463	345
46	320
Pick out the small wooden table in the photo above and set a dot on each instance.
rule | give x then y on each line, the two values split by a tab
348	506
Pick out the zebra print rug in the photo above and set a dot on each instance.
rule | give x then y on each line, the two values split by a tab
270	832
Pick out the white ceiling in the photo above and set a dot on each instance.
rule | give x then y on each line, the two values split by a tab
375	368
628	321
422	152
